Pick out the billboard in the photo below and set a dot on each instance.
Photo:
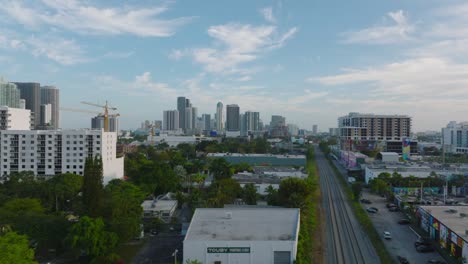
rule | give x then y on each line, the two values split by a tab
406	149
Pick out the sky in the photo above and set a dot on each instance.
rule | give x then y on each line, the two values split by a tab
308	60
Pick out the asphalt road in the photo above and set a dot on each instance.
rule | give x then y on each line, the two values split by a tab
159	250
346	241
402	242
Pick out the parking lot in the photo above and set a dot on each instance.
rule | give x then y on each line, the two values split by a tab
403	237
159	249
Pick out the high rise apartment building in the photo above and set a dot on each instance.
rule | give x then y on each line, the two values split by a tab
9	94
46	115
232	120
31	92
51	95
206	119
50	152
14	118
171	120
363	131
358	126
455	137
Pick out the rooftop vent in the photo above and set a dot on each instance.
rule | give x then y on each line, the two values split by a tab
228	215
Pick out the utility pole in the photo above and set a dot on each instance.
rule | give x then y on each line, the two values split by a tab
175	256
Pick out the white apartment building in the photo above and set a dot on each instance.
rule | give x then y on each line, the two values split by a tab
14	118
455	137
50	152
357	126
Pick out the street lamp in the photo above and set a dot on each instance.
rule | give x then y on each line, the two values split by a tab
175	255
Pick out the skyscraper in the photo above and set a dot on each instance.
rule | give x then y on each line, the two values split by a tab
31	92
188	118
206	118
252	121
51	95
232	117
181	105
9	94
219	117
171	120
97	122
46	115
314	129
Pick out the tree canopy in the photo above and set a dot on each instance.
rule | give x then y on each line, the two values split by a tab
15	248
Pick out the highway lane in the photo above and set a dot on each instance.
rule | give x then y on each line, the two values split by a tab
346	241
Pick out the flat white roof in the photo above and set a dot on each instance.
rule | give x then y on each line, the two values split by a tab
256	155
453	221
389	154
245	224
159	205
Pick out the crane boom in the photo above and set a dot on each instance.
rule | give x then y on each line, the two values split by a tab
78	110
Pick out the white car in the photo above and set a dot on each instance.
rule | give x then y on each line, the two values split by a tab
387	235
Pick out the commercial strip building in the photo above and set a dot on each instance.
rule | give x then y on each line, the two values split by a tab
243	235
174	140
373	170
262	159
447	225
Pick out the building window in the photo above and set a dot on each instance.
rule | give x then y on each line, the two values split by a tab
32	160
32	166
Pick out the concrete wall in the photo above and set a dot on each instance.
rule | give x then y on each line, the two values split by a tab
260	251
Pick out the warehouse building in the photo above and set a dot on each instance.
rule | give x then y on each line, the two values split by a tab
262	159
448	226
243	235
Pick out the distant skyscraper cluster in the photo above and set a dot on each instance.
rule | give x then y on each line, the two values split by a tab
227	120
43	102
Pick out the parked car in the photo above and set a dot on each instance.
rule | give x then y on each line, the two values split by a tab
422	241
390	205
373	208
387	235
424	248
366	201
370	210
436	261
402	260
394	209
404	221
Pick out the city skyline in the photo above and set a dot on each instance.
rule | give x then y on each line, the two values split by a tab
271	57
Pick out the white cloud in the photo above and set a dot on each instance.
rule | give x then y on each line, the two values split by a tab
240	43
62	51
119	55
408	78
399	31
267	14
84	18
177	54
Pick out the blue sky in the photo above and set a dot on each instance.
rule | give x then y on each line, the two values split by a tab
310	61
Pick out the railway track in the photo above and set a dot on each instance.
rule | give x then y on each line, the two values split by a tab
346	242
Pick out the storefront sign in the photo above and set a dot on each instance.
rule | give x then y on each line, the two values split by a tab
227	250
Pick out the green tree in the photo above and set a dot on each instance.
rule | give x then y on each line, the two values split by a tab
90	236
189	261
356	187
249	194
220	169
294	193
223	191
23	205
272	195
93	186
63	190
14	248
123	208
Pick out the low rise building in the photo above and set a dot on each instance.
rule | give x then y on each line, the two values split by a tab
417	170
447	225
262	159
243	235
159	208
388	157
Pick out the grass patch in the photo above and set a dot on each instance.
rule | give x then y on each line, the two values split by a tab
364	219
307	243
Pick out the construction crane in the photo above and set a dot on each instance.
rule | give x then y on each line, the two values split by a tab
106	108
